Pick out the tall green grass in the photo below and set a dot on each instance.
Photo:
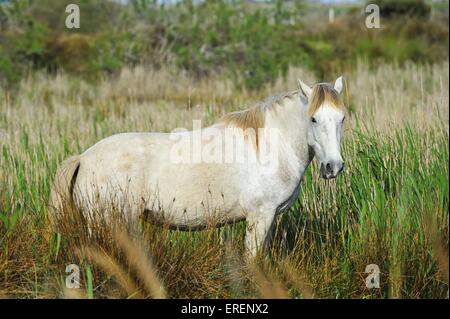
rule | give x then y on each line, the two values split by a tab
389	208
377	212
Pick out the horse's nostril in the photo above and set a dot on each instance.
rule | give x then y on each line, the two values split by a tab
328	167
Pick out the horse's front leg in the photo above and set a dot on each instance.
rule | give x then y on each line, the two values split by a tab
258	228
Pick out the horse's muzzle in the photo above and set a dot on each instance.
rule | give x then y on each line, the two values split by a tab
331	169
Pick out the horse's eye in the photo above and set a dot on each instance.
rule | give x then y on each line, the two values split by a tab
343	119
313	120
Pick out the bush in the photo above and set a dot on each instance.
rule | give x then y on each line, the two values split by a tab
253	43
395	8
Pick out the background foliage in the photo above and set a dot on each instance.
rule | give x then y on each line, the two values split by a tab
252	43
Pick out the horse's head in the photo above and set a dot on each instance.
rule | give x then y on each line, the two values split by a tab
326	118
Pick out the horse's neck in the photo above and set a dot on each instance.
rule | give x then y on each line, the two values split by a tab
292	121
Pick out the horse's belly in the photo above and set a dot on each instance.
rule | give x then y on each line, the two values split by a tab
184	199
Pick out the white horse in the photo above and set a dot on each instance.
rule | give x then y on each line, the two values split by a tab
155	177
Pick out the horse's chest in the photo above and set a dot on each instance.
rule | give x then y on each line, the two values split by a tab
276	191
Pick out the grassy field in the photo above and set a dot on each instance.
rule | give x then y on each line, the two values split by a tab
389	208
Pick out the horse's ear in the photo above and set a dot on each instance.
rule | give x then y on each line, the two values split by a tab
339	85
306	89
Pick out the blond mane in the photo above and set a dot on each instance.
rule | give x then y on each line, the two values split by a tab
323	93
252	119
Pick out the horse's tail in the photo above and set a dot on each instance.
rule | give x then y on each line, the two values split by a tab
63	185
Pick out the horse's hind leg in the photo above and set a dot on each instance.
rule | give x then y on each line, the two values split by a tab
258	228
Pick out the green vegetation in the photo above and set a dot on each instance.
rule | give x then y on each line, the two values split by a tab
410	8
151	67
252	44
389	208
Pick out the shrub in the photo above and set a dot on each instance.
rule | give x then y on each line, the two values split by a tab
395	8
253	43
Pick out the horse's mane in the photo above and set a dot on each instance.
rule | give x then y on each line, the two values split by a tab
254	117
324	93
